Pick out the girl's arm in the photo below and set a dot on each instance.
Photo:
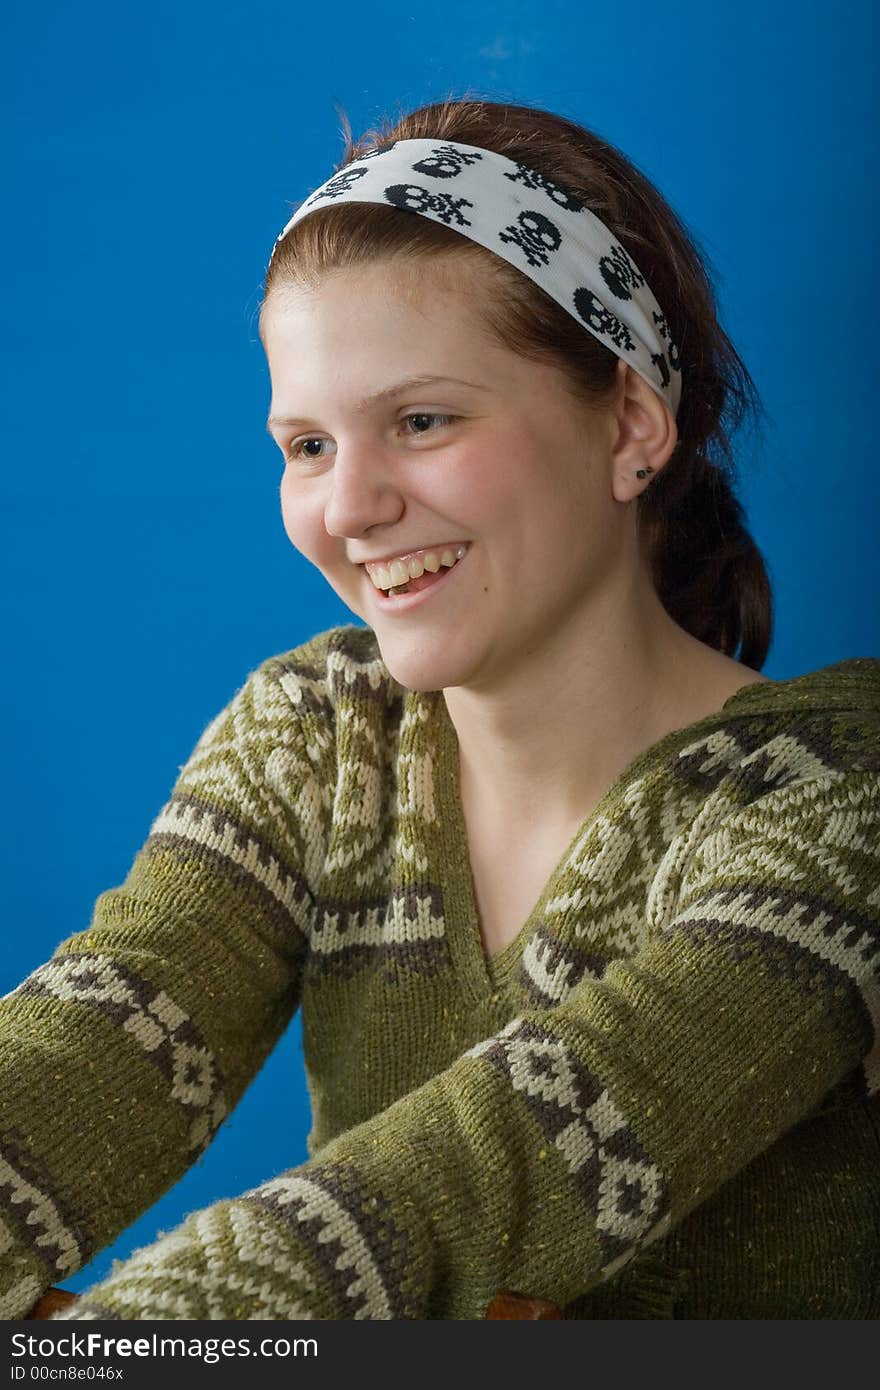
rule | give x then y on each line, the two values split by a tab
121	1056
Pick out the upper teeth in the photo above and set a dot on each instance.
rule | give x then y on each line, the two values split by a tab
408	567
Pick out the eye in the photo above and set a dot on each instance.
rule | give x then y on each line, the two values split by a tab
423	419
300	450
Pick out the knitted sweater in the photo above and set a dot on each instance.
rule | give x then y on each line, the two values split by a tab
659	1100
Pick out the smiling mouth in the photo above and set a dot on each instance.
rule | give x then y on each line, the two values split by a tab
411	574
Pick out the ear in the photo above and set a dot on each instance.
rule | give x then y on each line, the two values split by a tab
645	434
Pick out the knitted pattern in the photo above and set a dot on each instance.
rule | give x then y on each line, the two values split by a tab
659	1100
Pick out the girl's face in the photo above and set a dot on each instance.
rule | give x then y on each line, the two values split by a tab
405	428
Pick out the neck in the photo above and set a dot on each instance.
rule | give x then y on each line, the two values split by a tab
558	730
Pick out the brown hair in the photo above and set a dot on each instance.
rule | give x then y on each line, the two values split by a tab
707	570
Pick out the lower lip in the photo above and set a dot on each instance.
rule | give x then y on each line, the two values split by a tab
404	602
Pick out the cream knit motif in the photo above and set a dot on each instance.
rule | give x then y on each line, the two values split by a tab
660	1100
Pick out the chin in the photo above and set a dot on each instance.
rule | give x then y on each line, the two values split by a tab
421	668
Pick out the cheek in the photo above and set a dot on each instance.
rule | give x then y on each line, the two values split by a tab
478	481
496	485
303	516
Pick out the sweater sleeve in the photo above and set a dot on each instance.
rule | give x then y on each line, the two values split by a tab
123	1053
548	1155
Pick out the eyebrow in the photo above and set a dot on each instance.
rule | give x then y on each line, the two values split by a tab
388	393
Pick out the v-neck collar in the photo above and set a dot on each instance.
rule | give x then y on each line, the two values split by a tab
485	975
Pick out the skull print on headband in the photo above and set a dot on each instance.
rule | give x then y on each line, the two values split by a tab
532	223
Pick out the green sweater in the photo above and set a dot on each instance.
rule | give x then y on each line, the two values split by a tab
660	1100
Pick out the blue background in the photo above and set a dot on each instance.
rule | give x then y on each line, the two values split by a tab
156	152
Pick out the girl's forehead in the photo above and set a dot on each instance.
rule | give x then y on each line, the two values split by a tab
364	327
440	283
353	314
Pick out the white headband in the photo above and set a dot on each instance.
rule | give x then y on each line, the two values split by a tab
529	221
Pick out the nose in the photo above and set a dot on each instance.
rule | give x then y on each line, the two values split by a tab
363	491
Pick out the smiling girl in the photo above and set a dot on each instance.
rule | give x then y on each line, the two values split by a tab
582	912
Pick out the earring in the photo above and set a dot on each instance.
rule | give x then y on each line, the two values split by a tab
643	472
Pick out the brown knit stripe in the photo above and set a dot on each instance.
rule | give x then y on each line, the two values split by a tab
354	673
33	1209
364	1256
708	760
801	754
289	665
789	928
624	1192
307	690
317	690
394	964
845	939
818	744
164	1032
404	932
754	762
187	824
292	925
550	969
